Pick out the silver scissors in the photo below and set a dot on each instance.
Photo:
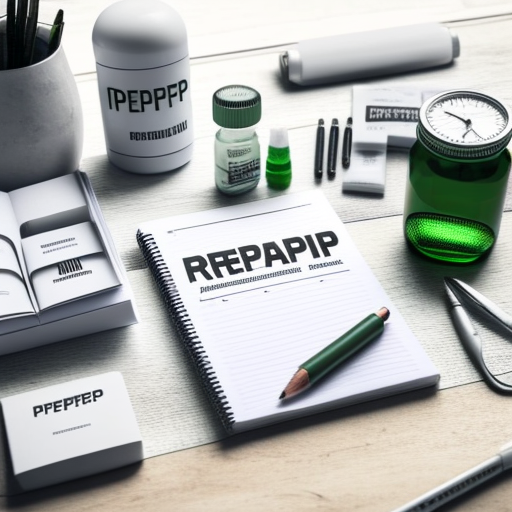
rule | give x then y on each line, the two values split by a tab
458	292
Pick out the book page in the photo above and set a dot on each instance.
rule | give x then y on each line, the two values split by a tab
67	264
58	245
9	228
269	284
49	205
64	256
8	259
14	297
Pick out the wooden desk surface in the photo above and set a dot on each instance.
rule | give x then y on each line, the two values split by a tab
371	457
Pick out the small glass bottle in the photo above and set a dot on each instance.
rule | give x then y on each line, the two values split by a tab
237	110
458	172
279	167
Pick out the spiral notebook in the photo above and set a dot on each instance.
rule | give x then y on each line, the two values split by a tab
258	288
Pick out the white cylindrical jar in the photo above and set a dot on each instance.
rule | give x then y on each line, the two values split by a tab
143	71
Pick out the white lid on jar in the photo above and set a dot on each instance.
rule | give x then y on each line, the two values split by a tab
139	34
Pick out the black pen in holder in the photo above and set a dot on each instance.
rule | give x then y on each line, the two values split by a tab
332	148
319	149
346	148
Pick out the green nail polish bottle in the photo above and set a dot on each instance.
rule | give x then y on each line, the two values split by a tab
279	165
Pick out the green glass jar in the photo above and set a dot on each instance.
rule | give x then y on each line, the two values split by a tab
458	174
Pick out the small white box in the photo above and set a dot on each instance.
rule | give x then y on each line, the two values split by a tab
71	430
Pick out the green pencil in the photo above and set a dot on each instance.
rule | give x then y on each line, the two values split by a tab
334	354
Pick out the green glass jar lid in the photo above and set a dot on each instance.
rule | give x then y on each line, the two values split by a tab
464	124
236	106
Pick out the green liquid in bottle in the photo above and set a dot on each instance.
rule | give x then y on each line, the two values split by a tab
279	167
453	207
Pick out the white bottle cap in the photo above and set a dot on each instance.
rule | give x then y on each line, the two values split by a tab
139	34
278	138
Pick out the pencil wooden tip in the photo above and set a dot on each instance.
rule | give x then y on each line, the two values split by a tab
299	382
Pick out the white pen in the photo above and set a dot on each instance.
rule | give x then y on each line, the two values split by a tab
461	484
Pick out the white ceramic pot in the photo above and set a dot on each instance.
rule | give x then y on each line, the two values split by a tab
41	123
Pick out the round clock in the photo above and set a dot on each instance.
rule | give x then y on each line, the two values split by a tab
465	124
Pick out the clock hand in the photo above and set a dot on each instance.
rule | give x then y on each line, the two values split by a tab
467	122
473	130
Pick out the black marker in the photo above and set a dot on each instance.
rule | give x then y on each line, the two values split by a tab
347	145
332	149
319	149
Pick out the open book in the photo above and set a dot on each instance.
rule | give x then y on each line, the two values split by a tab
257	289
55	257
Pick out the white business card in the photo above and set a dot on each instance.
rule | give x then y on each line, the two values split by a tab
71	430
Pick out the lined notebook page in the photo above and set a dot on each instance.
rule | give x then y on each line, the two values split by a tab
259	320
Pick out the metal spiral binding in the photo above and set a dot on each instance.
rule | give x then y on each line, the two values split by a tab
185	327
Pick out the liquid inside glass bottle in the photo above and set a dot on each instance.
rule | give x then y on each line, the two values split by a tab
453	207
278	167
458	173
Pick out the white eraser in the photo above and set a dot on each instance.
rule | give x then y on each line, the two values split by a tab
71	430
367	171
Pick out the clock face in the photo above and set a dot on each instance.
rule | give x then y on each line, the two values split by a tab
466	118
